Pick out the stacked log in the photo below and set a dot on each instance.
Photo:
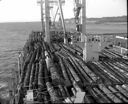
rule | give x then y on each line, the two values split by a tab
55	71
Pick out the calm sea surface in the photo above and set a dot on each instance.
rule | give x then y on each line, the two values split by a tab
13	37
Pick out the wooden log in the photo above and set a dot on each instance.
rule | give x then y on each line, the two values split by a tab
32	76
53	93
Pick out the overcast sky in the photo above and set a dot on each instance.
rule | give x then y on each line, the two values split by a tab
29	10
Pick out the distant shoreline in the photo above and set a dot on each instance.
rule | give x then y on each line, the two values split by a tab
21	22
88	22
101	19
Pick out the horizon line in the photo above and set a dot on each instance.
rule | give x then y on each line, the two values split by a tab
65	19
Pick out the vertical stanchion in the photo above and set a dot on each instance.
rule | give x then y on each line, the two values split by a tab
42	18
47	33
62	19
83	20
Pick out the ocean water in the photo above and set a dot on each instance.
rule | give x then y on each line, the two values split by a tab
13	37
10	44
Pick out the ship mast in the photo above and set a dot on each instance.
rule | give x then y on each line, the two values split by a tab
80	17
80	11
83	21
42	15
62	19
46	18
42	18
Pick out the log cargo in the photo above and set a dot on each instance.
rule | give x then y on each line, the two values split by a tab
55	71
